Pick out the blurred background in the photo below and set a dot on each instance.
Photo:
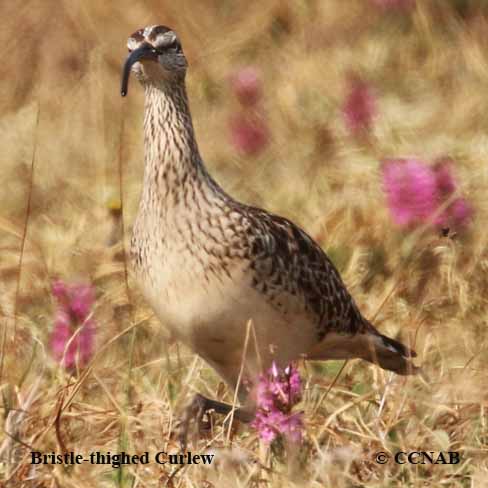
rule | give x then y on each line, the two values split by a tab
364	121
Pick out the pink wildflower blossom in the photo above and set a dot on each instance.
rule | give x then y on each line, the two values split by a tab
360	106
249	133
458	214
411	190
277	392
415	191
75	304
247	86
445	179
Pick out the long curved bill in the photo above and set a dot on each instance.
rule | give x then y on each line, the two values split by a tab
143	52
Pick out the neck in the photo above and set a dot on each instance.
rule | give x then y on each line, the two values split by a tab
172	159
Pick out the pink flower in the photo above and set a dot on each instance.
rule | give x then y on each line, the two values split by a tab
458	214
247	86
82	299
445	179
360	107
248	130
249	133
411	191
415	191
274	423
277	392
59	289
72	338
394	4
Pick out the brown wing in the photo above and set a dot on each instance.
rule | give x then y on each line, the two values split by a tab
286	260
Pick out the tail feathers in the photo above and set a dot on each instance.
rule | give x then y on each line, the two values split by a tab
398	347
390	354
367	344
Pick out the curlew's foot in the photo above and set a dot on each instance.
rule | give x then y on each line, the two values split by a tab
197	409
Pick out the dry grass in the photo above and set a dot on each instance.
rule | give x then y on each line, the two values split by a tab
62	111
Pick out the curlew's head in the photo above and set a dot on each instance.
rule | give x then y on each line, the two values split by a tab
155	55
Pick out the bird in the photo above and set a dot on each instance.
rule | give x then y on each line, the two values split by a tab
211	267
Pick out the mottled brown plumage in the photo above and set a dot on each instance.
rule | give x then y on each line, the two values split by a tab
208	264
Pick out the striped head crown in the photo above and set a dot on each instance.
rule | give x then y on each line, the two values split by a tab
155	56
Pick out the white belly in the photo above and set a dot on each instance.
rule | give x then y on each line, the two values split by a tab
209	312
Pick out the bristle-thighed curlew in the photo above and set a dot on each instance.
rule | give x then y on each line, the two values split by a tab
208	264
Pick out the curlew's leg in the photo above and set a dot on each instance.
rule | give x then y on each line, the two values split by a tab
197	409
